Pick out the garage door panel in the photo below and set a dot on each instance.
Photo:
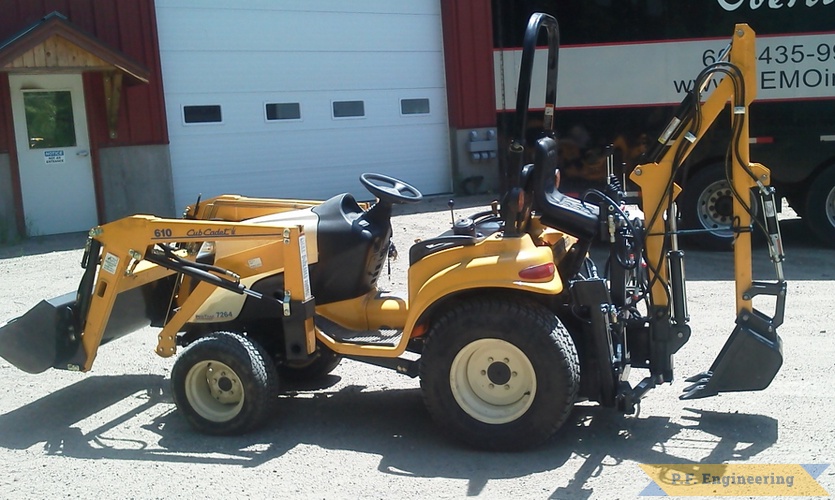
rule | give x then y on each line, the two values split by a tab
244	113
299	31
259	72
309	180
370	6
303	164
261	153
338	146
323	181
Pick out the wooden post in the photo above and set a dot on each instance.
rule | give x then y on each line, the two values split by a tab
112	96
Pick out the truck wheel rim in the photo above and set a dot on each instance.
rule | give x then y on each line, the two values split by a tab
214	390
830	207
715	209
493	381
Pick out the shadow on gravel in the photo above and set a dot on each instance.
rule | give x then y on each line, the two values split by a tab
44	244
603	438
392	424
52	418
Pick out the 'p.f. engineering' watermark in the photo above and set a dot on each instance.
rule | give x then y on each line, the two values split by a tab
772	480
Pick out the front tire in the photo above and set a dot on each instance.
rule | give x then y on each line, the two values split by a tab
499	374
224	384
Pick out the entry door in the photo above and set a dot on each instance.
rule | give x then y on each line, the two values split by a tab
53	153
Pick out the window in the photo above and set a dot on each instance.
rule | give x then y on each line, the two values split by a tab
49	119
283	111
202	114
348	109
414	106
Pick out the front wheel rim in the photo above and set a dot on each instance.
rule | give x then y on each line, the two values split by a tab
214	391
493	381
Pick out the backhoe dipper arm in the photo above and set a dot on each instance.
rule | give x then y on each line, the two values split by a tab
693	118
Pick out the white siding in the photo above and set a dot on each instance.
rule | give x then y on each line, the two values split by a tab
241	55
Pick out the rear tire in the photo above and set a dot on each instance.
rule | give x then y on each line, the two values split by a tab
819	208
499	374
224	384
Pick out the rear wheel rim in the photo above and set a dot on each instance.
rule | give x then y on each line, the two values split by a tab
214	391
493	381
715	209
830	207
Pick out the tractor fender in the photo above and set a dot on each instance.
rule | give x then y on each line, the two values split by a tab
493	264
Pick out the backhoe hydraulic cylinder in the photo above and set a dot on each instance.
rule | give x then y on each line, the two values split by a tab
675	262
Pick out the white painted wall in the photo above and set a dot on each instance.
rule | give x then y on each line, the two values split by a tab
242	55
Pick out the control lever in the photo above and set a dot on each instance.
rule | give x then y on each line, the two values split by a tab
451	204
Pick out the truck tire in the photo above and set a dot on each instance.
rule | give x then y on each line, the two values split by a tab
324	362
499	374
819	208
707	204
224	384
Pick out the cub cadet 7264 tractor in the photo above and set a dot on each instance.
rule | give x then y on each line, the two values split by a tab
509	320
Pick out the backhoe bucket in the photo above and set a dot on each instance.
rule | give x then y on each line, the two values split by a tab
43	337
750	359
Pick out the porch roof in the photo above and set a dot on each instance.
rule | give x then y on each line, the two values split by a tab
55	45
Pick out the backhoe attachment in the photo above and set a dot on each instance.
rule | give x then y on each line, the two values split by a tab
753	354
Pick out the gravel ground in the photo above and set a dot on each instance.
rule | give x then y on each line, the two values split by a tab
364	433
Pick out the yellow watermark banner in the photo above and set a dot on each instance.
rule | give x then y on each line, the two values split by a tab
773	480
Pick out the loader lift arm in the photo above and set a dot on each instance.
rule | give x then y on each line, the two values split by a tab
134	252
754	344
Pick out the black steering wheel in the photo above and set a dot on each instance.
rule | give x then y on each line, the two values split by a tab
390	190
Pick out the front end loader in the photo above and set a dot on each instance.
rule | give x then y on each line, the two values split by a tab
507	321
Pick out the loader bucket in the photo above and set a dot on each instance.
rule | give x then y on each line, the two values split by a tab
43	337
48	335
749	360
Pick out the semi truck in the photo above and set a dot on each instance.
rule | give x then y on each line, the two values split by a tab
625	66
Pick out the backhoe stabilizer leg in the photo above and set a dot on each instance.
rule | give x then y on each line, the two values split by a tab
749	360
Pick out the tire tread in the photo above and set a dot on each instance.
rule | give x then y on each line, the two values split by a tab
504	436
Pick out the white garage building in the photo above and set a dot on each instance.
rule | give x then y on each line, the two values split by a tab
296	99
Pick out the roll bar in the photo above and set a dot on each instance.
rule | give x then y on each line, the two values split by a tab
523	91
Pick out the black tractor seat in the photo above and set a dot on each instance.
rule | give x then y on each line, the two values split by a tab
556	209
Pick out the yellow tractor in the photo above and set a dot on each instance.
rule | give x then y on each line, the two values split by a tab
506	322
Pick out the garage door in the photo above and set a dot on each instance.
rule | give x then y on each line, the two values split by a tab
297	99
